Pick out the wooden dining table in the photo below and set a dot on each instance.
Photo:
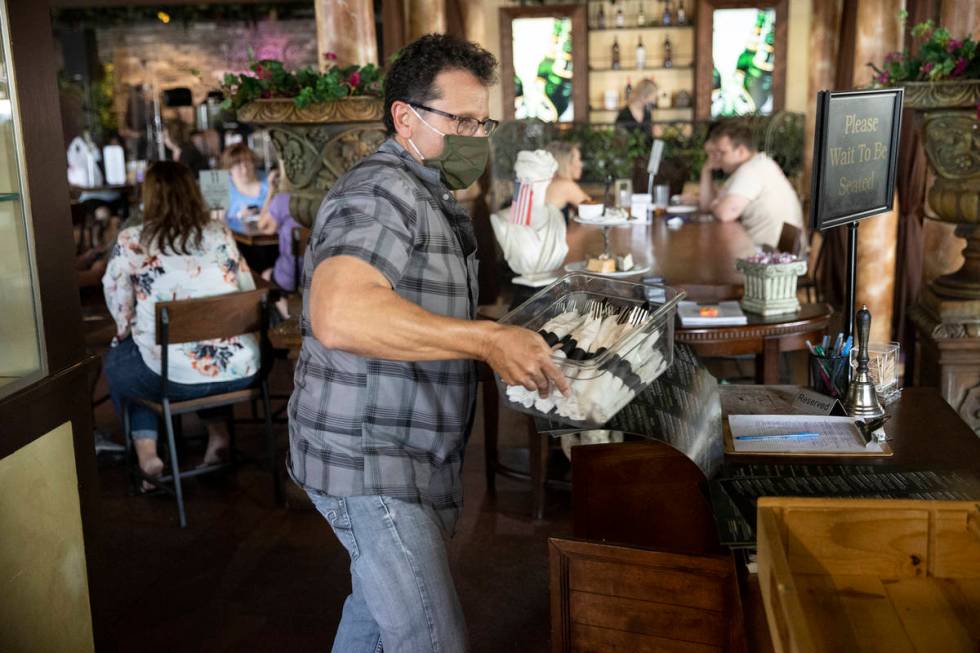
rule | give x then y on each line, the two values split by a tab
253	237
697	257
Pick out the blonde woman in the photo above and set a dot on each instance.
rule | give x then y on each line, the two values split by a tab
564	191
638	112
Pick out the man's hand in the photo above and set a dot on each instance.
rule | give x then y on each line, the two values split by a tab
522	357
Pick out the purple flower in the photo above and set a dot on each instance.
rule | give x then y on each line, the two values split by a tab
354	79
330	56
926	67
882	77
953	45
959	68
893	57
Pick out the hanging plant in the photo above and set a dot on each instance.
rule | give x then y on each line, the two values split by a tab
306	86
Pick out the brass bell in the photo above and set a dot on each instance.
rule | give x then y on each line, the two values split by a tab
862	400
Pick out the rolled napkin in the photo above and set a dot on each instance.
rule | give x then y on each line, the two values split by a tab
531	233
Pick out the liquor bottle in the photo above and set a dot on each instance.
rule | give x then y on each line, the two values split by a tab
668	56
615	54
641	17
629	89
641	54
681	14
601	17
668	15
620	16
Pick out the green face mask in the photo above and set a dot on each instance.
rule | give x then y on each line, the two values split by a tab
463	158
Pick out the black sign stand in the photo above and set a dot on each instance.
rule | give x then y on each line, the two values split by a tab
825	212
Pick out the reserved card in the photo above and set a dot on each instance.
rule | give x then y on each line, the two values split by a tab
811	402
215	187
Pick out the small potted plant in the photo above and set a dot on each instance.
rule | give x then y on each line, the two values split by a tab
321	122
770	282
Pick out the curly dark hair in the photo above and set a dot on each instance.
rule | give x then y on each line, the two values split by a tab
412	75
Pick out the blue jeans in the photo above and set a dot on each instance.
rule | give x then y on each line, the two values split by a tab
130	378
402	596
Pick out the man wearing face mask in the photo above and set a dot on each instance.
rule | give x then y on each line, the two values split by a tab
385	383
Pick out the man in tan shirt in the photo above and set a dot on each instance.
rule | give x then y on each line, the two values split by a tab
756	191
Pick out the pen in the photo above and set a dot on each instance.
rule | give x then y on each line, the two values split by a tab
782	436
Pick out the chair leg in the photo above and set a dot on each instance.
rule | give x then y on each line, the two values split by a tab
130	452
538	446
174	467
491	423
271	447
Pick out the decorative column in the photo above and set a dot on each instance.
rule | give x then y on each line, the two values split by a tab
425	17
346	28
878	33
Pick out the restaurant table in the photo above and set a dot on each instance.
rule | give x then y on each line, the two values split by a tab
252	237
766	337
698	257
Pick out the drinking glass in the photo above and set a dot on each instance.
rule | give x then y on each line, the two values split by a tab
661	198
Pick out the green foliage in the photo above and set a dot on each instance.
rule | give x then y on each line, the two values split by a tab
936	56
270	79
606	151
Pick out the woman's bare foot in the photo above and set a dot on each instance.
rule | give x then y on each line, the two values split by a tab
219	443
149	461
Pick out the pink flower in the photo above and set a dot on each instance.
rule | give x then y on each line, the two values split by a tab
330	56
926	67
953	45
893	57
261	72
882	77
354	79
959	68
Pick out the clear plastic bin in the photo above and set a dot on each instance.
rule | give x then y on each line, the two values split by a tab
604	381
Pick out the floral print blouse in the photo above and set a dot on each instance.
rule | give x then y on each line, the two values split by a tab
137	277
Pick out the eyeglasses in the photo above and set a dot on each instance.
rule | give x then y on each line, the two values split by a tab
464	126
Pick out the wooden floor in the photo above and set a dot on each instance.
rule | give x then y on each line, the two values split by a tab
248	576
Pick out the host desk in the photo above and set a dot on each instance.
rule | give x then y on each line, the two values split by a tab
649	491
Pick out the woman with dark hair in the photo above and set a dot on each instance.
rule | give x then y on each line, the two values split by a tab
178	252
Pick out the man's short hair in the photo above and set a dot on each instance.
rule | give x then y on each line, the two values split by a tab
411	78
738	133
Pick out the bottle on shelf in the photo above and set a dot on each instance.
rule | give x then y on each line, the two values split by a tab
641	17
601	16
668	55
668	14
615	54
681	13
629	89
641	54
620	16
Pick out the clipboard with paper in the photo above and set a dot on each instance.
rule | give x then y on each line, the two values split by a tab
800	435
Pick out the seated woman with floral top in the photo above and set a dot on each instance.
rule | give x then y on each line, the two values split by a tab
178	252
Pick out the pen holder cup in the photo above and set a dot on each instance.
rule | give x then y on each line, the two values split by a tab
830	375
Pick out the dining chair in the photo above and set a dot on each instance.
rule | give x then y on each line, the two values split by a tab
192	320
301	238
791	240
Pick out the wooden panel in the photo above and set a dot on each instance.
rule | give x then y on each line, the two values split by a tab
612	484
589	639
609	598
652	618
686	585
222	316
928	618
955	545
857	541
872	618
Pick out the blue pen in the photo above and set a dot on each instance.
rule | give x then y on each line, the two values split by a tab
847	346
825	342
782	436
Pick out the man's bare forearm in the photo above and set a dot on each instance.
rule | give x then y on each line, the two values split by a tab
370	319
706	189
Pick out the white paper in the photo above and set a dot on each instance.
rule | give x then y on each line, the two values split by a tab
114	159
215	187
837	434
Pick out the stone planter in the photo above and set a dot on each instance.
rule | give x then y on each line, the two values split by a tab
318	143
951	136
770	288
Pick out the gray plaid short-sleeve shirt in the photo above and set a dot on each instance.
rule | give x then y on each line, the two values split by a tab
361	426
